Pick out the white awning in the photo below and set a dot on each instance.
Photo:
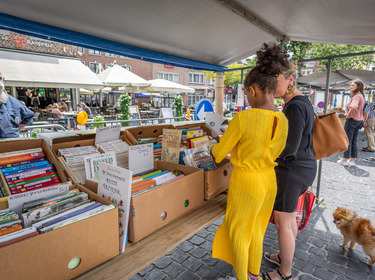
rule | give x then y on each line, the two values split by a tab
211	31
36	70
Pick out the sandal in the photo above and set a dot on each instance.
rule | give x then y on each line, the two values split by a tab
267	256
266	276
367	150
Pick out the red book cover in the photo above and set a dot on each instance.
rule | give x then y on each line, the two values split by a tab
6	243
24	157
22	189
30	178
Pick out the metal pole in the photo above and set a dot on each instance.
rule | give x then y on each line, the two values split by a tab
219	95
325	111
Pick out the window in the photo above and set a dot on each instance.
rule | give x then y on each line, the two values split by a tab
107	65
93	66
210	81
94	52
80	49
127	67
110	54
125	57
306	72
170	77
196	78
310	64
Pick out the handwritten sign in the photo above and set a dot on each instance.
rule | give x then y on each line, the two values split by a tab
107	133
213	121
16	201
141	158
115	186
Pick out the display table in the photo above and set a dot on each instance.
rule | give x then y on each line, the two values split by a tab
139	255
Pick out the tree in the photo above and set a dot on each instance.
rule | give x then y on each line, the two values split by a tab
301	50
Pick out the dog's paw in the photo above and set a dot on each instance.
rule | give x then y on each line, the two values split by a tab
370	263
342	245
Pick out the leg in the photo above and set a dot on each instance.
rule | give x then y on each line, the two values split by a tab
352	245
345	242
354	149
349	132
371	133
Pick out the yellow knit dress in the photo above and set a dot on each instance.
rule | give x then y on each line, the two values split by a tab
255	145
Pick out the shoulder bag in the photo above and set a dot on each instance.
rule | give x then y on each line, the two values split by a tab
329	136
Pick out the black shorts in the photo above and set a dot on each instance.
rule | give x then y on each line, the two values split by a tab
292	181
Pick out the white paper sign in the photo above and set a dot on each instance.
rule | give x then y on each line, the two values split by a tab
214	121
17	200
167	113
115	185
240	95
141	158
107	133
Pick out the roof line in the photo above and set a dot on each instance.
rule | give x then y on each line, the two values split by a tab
248	15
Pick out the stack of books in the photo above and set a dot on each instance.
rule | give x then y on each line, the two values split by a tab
120	148
9	222
151	180
74	158
25	170
195	137
157	144
199	157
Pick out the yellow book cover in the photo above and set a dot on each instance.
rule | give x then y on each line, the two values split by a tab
170	150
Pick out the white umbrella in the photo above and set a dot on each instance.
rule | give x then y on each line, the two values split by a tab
117	76
165	86
83	91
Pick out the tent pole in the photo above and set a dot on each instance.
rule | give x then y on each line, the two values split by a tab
219	94
320	163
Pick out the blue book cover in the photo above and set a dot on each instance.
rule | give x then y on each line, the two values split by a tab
73	214
22	176
181	159
47	164
156	175
10	169
22	163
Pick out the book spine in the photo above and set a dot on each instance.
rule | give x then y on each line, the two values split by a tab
28	174
22	163
7	230
22	167
21	152
29	178
5	174
32	180
14	159
34	187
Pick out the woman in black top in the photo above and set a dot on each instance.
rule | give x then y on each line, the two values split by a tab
295	172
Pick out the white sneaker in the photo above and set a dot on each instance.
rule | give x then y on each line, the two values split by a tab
351	163
342	162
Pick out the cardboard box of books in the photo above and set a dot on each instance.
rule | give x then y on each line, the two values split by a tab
27	164
153	207
61	240
71	151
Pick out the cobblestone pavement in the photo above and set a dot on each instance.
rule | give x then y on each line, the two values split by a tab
317	256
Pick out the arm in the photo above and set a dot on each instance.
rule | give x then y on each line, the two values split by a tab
296	120
21	126
365	117
229	140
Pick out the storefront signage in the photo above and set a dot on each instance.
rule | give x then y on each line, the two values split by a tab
23	42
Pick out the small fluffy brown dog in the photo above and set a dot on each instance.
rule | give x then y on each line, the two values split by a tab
356	230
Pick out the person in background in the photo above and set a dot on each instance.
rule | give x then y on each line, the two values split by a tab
55	109
22	95
256	138
63	107
369	125
354	119
295	172
79	108
34	95
86	109
49	108
14	115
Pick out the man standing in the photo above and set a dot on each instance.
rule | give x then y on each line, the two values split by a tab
369	125
14	115
63	106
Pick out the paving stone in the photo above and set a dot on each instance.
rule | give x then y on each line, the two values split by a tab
223	267
318	252
341	260
355	275
317	261
304	266
136	277
210	237
145	270
179	256
192	264
302	255
324	274
212	228
337	269
316	242
174	269
307	277
207	272
302	245
155	274
198	252
196	240
208	260
203	233
162	262
186	246
188	275
207	245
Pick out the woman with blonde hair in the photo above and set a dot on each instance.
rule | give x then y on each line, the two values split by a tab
354	119
295	172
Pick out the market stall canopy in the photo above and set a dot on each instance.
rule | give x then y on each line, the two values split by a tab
195	34
165	86
339	79
83	91
118	76
35	70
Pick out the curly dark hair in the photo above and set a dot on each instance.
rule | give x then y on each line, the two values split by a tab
271	63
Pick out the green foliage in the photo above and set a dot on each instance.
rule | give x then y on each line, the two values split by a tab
35	131
300	50
232	78
98	119
278	101
125	101
178	105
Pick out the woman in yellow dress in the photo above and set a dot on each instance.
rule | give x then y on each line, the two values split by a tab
256	138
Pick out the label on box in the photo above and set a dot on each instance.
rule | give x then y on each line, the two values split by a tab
16	201
115	185
107	133
141	158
